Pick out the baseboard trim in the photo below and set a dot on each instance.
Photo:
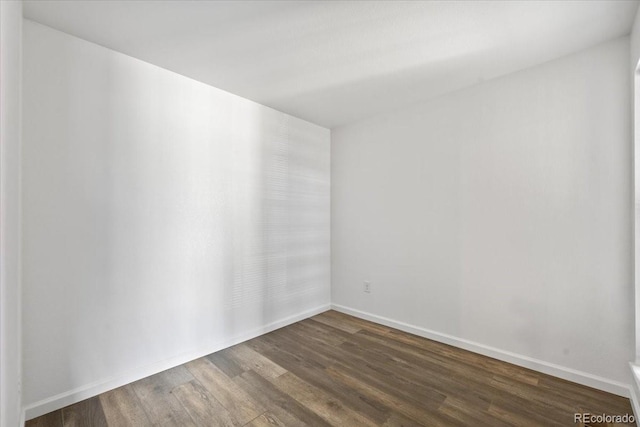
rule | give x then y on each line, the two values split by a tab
568	374
70	397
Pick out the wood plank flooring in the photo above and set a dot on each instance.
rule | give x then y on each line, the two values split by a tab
337	370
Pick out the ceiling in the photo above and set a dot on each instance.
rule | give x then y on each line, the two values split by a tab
334	62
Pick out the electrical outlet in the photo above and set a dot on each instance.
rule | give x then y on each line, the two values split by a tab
367	287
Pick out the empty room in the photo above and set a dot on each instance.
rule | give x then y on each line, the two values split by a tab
319	213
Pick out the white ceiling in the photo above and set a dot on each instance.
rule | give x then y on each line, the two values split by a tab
334	62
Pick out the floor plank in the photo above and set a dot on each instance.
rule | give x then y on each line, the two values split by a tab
52	419
326	406
123	407
266	420
225	362
160	405
248	359
203	408
330	321
241	406
298	360
83	414
284	406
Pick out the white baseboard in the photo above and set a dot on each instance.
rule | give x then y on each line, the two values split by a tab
70	397
568	374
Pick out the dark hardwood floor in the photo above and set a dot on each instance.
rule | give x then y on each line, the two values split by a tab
337	370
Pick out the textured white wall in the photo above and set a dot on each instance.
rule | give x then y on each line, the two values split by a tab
10	51
162	217
499	214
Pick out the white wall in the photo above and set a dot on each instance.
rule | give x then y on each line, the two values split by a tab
163	218
499	217
10	75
